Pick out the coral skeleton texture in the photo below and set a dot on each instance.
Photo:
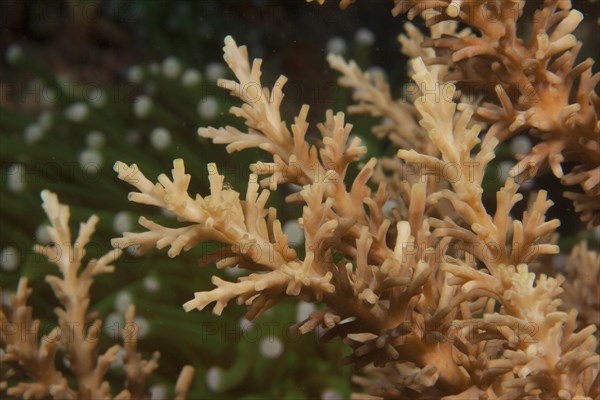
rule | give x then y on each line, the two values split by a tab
77	332
437	301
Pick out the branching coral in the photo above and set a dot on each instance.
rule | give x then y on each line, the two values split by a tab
539	88
77	333
436	301
581	284
437	307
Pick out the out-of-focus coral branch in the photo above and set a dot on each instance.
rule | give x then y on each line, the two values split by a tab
74	334
39	362
582	291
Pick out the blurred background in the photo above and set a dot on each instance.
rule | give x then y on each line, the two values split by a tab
84	83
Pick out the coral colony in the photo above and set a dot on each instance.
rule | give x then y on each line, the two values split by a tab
435	293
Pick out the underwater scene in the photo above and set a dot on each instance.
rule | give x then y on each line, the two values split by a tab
321	199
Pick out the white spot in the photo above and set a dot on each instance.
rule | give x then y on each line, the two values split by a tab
158	392
208	107
122	222
77	112
118	362
134	250
336	45
160	138
16	178
41	234
234	272
364	36
331	394
122	301
142	106
294	188
113	323
168	213
376	70
13	53
6	296
293	231
191	77
171	67
135	74
214	376
303	310
34	133
151	284
9	258
387	208
215	71
245	325
143	327
504	168
520	145
95	140
271	347
90	160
